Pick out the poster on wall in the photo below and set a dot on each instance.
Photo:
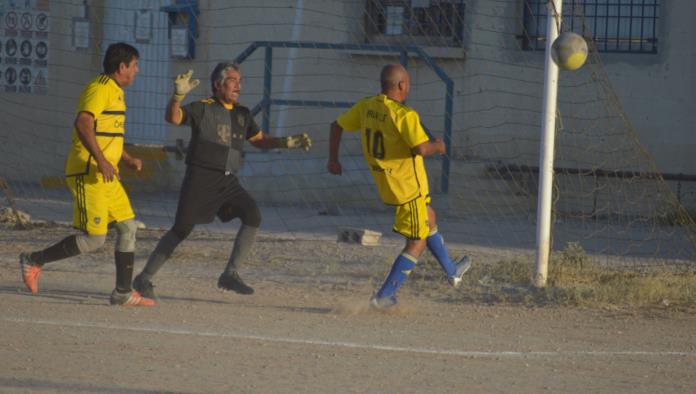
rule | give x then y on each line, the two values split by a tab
24	26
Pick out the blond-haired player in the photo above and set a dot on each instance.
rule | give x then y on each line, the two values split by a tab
394	144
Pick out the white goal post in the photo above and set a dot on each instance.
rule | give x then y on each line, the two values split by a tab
546	151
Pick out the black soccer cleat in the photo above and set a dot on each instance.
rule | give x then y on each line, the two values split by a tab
144	287
233	282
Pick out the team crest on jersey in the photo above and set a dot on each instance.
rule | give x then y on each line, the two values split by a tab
224	133
97	220
241	120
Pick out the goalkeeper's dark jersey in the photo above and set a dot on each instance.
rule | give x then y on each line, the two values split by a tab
218	133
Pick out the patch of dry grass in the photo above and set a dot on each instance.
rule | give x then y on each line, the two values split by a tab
574	279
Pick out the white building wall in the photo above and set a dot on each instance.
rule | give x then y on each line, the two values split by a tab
497	86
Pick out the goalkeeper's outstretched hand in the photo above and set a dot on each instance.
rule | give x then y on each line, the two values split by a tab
298	141
183	84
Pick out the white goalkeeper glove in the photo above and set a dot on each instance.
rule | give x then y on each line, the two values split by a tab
297	141
183	84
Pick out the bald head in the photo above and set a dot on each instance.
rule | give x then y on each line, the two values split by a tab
391	75
395	82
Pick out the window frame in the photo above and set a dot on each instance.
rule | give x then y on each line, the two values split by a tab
609	38
449	33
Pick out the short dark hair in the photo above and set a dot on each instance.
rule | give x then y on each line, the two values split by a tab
219	72
118	53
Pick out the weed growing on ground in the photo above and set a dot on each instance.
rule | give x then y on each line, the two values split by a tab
575	279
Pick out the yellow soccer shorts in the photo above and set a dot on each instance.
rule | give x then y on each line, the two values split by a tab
97	203
411	219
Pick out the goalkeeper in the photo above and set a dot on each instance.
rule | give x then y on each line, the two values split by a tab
219	127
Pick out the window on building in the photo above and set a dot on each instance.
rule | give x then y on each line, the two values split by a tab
417	22
614	25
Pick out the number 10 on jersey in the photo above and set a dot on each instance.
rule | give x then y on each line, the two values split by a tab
374	143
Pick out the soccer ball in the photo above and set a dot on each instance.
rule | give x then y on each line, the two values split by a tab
569	51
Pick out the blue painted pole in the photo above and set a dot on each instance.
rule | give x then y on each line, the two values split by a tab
267	75
246	53
403	58
403	51
447	137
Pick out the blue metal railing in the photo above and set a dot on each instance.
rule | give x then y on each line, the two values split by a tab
267	101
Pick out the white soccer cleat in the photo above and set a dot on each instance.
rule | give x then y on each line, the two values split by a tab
463	266
382	303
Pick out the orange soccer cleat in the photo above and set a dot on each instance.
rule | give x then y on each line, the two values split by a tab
30	273
130	299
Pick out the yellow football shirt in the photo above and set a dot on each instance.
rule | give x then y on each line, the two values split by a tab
105	100
388	132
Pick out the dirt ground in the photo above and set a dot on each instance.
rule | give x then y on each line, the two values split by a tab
308	329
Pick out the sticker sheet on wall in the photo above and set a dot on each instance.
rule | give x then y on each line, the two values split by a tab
24	26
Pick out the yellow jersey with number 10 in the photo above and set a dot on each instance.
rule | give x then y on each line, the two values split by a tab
388	132
104	99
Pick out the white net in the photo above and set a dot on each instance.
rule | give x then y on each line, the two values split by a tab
609	194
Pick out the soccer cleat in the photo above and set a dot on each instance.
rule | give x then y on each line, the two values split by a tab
144	287
383	302
462	267
234	283
132	298
30	273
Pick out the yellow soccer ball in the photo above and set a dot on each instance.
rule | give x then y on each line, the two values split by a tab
569	51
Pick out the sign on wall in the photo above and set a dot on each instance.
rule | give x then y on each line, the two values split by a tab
24	46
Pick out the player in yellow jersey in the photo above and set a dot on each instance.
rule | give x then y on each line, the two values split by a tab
394	144
92	176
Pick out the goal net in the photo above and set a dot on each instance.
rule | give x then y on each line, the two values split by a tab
476	80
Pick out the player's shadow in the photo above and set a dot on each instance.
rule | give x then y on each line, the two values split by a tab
193	299
72	296
67	296
302	309
26	384
288	308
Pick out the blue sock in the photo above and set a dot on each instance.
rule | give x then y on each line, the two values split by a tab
397	276
436	246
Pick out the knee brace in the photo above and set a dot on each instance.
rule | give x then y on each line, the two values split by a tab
125	239
88	243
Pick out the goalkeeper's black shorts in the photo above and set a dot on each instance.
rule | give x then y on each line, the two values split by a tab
207	193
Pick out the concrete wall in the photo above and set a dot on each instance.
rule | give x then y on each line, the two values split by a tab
498	89
655	90
35	129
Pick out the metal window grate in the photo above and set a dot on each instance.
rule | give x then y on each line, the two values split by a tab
628	26
441	20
